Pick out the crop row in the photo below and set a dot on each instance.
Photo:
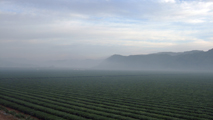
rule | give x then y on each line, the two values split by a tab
141	103
64	107
135	111
122	97
30	111
144	105
59	111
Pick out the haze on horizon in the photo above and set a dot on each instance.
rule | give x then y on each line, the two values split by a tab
48	30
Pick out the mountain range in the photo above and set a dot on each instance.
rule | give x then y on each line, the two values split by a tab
190	60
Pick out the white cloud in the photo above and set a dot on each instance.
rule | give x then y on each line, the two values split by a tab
131	25
168	1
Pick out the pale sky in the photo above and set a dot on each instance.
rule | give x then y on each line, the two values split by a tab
94	29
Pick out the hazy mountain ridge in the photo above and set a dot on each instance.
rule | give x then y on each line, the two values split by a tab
180	53
189	60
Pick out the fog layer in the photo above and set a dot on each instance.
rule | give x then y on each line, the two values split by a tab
190	61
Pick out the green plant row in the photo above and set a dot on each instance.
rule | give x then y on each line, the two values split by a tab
130	111
17	115
138	104
87	113
185	106
84	107
147	107
30	111
186	96
64	107
42	109
85	91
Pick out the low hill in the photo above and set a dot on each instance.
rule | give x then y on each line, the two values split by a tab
189	60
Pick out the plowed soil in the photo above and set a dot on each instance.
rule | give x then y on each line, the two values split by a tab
4	116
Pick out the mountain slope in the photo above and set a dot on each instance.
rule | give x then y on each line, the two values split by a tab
190	60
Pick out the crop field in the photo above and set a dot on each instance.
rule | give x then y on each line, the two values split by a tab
108	95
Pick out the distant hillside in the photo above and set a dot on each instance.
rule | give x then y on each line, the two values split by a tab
189	60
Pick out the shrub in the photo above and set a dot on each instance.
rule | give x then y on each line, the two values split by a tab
12	112
19	115
6	110
3	108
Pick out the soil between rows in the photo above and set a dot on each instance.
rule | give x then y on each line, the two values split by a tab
6	116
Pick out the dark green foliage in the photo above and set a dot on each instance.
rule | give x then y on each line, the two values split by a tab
2	108
19	115
12	113
109	95
6	111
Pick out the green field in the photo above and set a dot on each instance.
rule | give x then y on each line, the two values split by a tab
107	95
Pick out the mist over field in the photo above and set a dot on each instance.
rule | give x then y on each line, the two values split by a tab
106	34
195	60
164	61
106	59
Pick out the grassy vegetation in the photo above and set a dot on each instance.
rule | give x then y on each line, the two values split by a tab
17	115
108	95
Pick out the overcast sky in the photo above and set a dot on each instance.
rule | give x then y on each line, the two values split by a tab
94	29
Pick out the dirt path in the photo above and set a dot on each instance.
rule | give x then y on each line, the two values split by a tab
4	116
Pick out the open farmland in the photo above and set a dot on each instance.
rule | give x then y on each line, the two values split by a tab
108	95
